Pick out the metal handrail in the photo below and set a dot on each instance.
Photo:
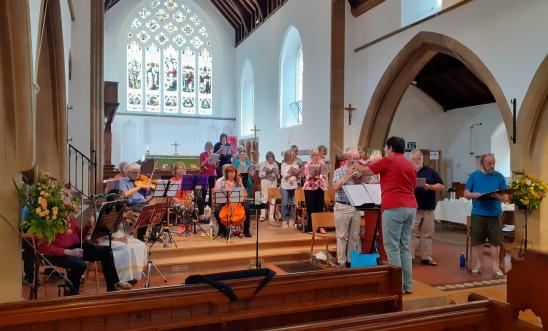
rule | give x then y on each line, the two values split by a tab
81	161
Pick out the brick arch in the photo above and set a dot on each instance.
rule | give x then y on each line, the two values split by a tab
404	68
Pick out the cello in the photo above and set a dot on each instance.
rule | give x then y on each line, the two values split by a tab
233	214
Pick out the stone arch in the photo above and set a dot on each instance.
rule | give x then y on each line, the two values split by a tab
531	152
533	113
405	67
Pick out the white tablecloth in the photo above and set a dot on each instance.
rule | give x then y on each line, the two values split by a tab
456	211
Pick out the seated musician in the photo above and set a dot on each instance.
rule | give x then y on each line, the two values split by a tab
230	180
179	170
67	252
137	191
183	197
112	183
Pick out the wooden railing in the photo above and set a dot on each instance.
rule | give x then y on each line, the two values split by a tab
286	300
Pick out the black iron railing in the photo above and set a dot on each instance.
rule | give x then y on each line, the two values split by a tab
82	171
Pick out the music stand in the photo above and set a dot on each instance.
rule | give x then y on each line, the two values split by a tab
166	189
257	207
110	216
229	196
366	197
152	216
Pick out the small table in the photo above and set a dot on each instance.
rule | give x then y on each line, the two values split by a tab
456	211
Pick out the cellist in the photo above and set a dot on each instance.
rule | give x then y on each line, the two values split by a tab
230	180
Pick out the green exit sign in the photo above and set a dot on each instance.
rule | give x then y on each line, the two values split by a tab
411	145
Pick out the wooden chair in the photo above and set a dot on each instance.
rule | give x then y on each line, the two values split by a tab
329	199
92	267
274	193
322	220
301	214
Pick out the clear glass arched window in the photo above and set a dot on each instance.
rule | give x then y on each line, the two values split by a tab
246	100
169	61
291	79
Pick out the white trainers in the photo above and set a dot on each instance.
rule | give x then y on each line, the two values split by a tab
291	223
284	225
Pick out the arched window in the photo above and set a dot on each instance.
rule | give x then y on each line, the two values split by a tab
412	10
246	100
169	62
291	79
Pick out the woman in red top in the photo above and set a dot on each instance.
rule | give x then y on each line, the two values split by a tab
209	169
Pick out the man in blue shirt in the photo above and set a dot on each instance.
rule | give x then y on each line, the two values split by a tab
482	187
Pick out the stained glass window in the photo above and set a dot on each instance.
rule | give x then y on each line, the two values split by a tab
187	81
171	96
299	76
169	60
204	63
134	77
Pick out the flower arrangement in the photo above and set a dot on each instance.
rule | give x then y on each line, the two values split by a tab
528	191
48	207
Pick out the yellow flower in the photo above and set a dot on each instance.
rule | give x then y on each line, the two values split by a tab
525	202
47	212
38	210
55	209
528	182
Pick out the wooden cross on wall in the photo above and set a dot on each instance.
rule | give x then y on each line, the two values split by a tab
175	144
350	110
255	130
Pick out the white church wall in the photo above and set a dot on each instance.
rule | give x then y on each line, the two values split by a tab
508	36
159	132
501	148
263	48
79	94
421	119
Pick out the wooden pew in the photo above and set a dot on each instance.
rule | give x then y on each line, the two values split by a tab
477	315
527	287
287	299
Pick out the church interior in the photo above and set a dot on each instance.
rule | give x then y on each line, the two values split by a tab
341	164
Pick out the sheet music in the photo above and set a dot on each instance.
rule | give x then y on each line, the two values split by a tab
314	170
243	168
166	188
235	195
374	191
356	194
420	182
294	171
225	150
324	169
214	158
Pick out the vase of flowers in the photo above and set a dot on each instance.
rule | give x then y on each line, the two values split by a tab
48	207
528	192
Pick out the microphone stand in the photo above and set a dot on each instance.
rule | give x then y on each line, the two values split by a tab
37	255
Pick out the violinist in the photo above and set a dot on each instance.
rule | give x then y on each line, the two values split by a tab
137	189
230	180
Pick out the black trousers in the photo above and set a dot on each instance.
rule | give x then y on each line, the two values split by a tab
211	183
314	204
76	265
29	260
223	229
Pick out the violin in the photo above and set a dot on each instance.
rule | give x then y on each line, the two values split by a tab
145	181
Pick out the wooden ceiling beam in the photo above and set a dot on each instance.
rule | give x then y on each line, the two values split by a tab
360	7
237	10
221	6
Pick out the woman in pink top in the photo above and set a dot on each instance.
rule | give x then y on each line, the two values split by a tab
314	187
209	169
